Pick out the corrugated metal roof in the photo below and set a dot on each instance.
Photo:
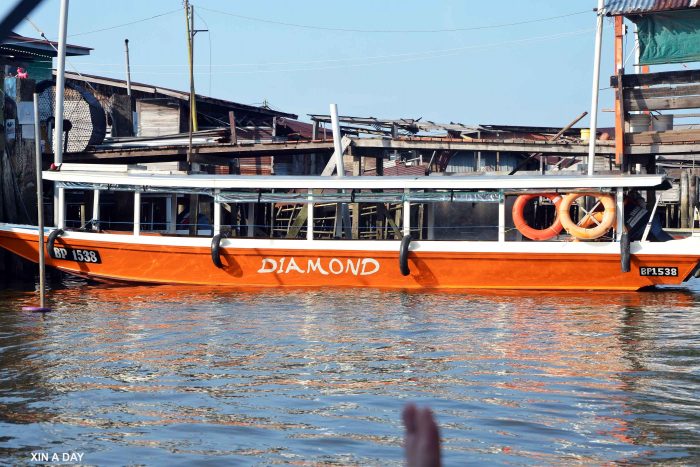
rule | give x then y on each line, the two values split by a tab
634	7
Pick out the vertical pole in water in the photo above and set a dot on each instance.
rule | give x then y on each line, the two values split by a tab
40	212
596	87
59	198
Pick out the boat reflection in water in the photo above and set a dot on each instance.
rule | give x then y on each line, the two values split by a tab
163	373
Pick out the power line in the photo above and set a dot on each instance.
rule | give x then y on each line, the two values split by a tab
392	31
125	24
54	48
378	60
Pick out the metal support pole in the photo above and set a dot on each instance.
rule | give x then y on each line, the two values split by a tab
647	228
620	220
502	218
171	213
61	208
128	70
251	219
96	210
217	218
137	213
406	213
431	221
596	86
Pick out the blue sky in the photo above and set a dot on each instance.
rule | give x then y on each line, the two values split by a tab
537	73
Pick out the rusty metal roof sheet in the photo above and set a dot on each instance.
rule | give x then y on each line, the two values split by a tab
635	7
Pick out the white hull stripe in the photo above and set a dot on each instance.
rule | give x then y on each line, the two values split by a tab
682	247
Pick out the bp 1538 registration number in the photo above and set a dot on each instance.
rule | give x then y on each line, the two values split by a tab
660	271
77	254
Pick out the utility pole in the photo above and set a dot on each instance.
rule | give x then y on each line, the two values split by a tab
191	32
59	193
128	85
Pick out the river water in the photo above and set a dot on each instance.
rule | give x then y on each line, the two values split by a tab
171	375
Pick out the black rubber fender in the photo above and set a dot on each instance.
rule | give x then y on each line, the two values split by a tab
215	251
625	252
51	240
403	255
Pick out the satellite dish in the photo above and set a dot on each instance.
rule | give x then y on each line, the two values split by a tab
84	122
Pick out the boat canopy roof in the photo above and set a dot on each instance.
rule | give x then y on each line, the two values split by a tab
145	180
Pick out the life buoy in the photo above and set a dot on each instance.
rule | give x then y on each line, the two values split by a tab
51	240
215	251
582	230
403	255
530	232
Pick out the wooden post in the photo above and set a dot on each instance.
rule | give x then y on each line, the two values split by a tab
232	125
39	202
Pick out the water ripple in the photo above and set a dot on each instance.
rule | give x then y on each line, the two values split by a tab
175	375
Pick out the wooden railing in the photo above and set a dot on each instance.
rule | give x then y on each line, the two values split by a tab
669	90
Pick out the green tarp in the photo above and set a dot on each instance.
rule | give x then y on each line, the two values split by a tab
669	37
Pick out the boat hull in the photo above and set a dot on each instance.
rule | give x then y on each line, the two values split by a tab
296	263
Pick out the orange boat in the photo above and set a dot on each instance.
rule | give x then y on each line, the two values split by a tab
171	256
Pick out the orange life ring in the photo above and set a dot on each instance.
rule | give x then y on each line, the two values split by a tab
582	230
532	233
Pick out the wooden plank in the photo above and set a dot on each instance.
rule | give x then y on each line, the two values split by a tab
662	103
678	136
663	77
158	117
663	91
687	150
500	145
